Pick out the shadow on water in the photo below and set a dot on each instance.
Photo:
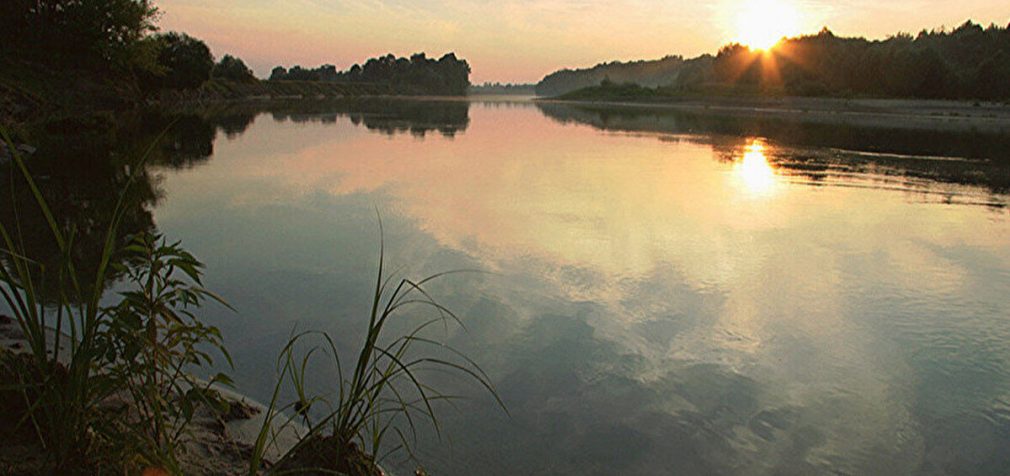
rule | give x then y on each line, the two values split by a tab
83	162
971	157
388	116
82	165
586	395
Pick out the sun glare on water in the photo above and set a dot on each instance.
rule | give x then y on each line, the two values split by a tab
761	24
753	170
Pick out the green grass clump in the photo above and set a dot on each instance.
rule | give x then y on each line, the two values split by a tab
384	398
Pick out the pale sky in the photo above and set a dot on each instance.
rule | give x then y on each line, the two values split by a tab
523	40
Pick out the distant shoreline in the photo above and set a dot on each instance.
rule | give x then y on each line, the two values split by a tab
890	113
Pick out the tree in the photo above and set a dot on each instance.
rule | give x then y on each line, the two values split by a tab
278	73
187	61
97	33
233	69
417	75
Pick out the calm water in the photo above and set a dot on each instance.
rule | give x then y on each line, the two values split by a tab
664	293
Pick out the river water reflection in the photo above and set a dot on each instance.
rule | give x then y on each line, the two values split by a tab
661	296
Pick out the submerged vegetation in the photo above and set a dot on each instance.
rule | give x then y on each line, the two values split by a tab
100	387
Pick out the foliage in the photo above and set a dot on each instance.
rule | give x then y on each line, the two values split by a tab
62	397
382	399
183	62
967	62
419	74
92	32
151	341
76	368
233	69
659	72
612	91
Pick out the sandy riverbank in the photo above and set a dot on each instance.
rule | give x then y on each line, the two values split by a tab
218	444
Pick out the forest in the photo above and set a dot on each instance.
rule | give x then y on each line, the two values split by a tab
651	73
967	62
418	74
110	38
73	55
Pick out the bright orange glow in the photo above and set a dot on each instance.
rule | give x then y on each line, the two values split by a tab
754	171
763	23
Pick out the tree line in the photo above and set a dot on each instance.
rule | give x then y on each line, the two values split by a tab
496	88
418	74
968	62
651	73
118	41
111	37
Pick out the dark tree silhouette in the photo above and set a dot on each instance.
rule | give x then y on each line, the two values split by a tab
969	62
653	73
418	74
233	69
185	62
82	33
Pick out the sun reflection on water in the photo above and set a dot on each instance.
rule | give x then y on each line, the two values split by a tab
753	170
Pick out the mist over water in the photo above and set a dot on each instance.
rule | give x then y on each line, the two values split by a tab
662	293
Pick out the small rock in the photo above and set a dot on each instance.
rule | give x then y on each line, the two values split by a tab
240	411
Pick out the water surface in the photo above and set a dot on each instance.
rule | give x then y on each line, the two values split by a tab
663	293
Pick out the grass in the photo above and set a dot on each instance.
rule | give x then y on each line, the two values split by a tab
61	398
108	388
101	387
382	399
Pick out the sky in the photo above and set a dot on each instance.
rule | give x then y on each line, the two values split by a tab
523	40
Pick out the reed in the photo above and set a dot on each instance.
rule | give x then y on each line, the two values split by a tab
380	398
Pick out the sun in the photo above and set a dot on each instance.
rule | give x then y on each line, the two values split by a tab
760	24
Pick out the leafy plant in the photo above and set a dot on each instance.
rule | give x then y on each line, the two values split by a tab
152	341
83	358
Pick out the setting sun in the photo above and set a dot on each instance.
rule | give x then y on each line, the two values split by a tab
762	23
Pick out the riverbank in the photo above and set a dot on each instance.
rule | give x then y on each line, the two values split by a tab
916	114
219	443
